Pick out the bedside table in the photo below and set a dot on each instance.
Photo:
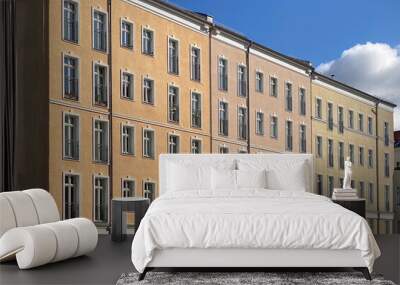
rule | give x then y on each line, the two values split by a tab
355	205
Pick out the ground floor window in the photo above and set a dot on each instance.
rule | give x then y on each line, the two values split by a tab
71	196
100	199
128	188
149	189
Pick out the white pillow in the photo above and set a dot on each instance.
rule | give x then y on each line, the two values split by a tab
223	179
251	178
182	177
292	179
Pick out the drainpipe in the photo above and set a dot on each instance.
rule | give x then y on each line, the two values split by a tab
248	93
110	162
377	164
210	31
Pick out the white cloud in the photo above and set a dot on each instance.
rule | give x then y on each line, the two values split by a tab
371	67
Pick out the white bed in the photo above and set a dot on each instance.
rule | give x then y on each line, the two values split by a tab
203	220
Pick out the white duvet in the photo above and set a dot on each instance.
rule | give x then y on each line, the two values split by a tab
252	218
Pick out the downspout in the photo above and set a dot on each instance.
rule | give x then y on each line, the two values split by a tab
110	151
377	164
210	31
248	94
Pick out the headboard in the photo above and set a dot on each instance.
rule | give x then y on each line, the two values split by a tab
214	159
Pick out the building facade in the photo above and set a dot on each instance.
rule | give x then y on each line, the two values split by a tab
396	183
131	79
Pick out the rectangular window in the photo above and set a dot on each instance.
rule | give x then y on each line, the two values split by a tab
126	34
302	138
71	21
173	56
273	86
260	123
371	193
148	91
387	198
196	146
100	85
370	126
223	118
149	190
289	136
318	142
340	119
127	85
362	189
147	42
195	64
259	82
387	167
71	78
351	152
223	74
128	188
99	30
242	123
318	108
274	127
370	158
341	155
330	153
361	155
331	185
173	104
320	183
71	196
242	81
148	143
288	97
361	122
302	101
173	144
196	110
100	135
330	116
351	119
71	136
386	133
100	200
223	149
127	140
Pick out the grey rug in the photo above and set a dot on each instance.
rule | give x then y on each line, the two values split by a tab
232	278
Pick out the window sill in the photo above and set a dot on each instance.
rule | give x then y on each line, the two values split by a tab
148	157
71	159
151	55
100	50
128	154
71	42
127	99
148	103
71	99
173	73
130	48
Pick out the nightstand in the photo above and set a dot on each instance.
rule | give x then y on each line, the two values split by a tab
355	205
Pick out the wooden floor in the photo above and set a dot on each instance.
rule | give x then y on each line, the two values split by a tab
110	260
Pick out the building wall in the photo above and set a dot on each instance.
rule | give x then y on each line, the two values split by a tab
396	192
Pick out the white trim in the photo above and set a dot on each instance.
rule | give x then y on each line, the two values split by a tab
122	71
100	63
101	119
195	138
78	77
131	179
65	173
147	27
173	38
64	113
263	123
154	90
169	85
385	107
78	10
201	109
108	196
125	19
104	11
147	128
174	134
129	125
229	41
195	46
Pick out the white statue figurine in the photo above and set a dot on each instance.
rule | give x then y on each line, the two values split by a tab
347	174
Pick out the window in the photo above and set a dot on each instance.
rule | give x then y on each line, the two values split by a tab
274	127
288	97
273	88
370	158
71	20
148	143
71	78
242	81
223	74
387	198
340	120
196	146
147	42
100	200
173	104
320	187
196	110
127	140
71	196
386	133
259	82
330	153
100	141
330	116
289	136
370	126
302	138
387	167
99	30
242	123
259	123
149	190
148	91
361	155
173	56
341	155
126	34
195	64
71	136
318	142
318	108
100	85
127	85
223	118
362	189
302	101
341	182
361	122
351	152
371	193
223	149
331	184
173	144
351	119
128	188
352	184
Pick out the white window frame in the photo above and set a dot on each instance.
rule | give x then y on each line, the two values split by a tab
223	146
78	10
258	131
78	133
193	139
64	174
287	83
107	82
301	88
128	179
318	115
276	124
194	46
261	79
219	117
271	78
302	125
132	89
153	144
370	127
129	22
361	127
319	146
238	81
133	139
245	122
287	149
107	198
201	109
94	140
330	142
177	143
103	11
155	187
170	38
352	152
370	161
178	94
361	162
78	75
350	125
153	40
153	93
219	75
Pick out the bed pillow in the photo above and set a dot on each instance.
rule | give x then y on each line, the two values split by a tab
251	178
183	177
223	179
293	178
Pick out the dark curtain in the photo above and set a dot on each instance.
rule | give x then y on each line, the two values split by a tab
7	94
